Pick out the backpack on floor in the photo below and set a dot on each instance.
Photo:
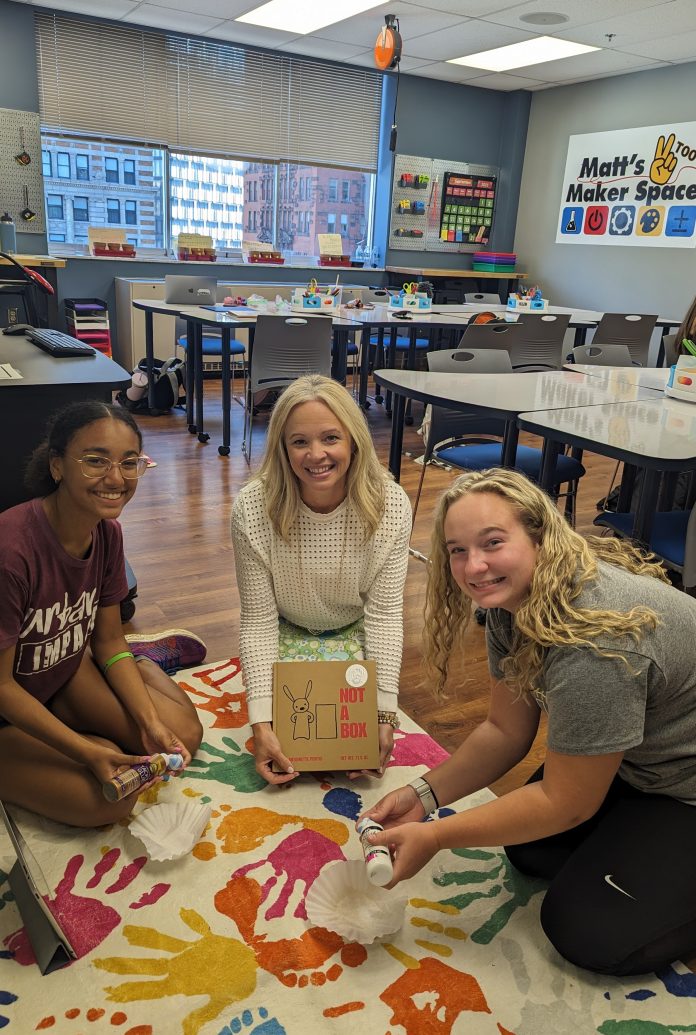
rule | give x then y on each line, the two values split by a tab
169	379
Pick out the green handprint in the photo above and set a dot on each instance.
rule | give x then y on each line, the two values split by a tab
664	162
234	767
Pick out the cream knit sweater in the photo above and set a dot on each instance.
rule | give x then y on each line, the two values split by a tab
325	578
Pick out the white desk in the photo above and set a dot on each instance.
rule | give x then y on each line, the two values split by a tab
657	434
501	395
647	377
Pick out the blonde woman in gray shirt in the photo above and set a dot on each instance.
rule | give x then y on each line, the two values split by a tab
591	632
320	540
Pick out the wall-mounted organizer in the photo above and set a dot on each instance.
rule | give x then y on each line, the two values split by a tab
441	206
21	181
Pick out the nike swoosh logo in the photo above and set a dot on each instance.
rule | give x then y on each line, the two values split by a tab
613	884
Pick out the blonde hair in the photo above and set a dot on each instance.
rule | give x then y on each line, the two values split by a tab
687	328
366	478
566	562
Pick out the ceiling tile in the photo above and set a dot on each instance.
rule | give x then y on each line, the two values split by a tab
506	81
578	12
254	35
662	19
667	48
588	66
466	38
310	46
117	8
166	18
364	28
222	10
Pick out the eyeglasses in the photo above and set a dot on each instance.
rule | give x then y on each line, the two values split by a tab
98	466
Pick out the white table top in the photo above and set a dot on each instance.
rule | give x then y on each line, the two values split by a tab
647	377
229	317
510	394
658	432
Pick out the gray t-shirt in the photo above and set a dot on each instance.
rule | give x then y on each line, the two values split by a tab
598	704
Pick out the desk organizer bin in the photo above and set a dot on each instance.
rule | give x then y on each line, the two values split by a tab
117	250
87	320
321	300
401	300
197	254
334	260
681	383
273	258
532	305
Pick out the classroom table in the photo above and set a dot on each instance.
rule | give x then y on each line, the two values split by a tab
47	383
655	433
501	395
646	377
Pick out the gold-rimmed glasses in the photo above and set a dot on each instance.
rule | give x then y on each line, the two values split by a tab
93	466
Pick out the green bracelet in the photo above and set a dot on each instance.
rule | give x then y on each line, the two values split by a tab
116	657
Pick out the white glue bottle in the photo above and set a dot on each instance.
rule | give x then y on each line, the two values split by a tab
377	857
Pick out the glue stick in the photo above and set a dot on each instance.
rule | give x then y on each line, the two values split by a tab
377	857
131	779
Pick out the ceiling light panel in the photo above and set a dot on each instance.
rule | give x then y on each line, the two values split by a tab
303	16
521	55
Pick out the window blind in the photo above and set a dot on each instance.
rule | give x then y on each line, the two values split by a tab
205	96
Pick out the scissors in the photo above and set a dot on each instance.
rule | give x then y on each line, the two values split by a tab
312	286
410	287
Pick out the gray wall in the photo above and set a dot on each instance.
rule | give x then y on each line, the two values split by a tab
464	124
618	279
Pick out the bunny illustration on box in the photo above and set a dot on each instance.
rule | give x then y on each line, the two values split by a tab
301	717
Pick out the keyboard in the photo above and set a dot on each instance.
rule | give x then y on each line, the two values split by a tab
59	344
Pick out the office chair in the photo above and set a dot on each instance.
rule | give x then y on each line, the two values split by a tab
673	538
671	347
463	440
284	348
541	342
604	355
627	329
489	298
211	343
491	336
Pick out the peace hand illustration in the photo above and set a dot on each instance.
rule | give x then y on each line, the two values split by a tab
662	165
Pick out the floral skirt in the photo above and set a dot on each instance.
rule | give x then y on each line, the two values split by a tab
297	644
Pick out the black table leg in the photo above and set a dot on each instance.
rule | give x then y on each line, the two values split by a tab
190	375
509	452
397	436
224	449
149	360
339	355
198	359
645	511
549	453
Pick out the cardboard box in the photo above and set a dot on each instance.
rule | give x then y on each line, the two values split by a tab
325	714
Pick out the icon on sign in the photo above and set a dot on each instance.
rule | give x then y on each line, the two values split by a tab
596	218
650	219
681	220
571	221
622	220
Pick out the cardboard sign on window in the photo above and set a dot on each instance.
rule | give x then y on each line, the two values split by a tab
325	714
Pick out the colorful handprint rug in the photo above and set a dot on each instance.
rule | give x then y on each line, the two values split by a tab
218	942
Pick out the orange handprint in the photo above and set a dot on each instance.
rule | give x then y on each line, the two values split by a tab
664	162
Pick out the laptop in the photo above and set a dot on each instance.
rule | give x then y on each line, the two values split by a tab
190	290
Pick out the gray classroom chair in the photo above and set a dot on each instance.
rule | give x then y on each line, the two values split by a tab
472	441
489	298
604	355
494	335
541	342
284	348
629	329
671	348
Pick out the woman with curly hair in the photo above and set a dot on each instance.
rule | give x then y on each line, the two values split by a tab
320	540
590	632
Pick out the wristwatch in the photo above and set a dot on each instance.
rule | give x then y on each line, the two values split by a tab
425	794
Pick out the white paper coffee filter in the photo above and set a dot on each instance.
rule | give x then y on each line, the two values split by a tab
343	900
170	830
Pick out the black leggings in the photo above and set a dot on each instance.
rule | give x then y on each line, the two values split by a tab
622	898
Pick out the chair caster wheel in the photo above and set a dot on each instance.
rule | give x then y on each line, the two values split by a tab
388	413
379	399
203	436
366	405
192	429
224	450
408	420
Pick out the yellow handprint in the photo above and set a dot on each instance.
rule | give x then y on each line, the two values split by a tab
664	162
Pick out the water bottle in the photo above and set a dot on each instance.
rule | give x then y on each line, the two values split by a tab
8	234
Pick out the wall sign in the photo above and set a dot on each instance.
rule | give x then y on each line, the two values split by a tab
631	187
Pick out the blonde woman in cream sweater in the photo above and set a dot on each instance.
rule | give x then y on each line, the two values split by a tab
320	540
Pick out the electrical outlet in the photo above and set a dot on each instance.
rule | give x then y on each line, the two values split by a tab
12	316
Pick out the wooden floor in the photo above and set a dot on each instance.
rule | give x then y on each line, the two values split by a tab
178	542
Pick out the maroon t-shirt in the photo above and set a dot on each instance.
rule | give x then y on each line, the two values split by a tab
49	600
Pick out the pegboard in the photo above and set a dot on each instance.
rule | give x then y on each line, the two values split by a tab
21	186
427	224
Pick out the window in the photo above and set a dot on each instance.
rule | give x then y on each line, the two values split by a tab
46	163
331	223
344	225
113	210
56	237
54	206
63	165
129	170
131	213
80	210
345	190
111	170
81	167
333	190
